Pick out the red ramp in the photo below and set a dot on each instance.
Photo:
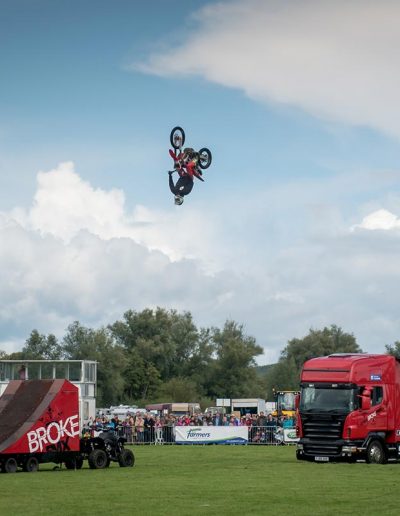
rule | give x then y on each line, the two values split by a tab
39	416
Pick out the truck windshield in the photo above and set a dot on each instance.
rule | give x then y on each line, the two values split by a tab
328	398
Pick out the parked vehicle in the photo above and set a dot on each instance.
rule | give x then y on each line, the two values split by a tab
285	403
177	409
215	410
349	409
39	422
242	406
123	411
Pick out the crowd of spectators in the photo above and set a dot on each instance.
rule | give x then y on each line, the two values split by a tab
146	427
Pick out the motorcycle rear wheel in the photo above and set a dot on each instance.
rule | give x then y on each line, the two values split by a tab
205	158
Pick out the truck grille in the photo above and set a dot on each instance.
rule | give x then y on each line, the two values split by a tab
322	434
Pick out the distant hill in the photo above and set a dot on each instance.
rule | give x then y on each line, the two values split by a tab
264	369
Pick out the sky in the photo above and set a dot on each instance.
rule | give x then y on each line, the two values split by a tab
297	224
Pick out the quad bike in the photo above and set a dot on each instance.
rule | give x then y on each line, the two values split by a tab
101	450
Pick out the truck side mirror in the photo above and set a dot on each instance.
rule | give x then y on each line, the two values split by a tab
366	400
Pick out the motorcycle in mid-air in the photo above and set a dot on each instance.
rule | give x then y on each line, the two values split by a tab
187	160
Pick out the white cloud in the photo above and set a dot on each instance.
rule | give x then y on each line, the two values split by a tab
336	60
77	254
380	219
65	204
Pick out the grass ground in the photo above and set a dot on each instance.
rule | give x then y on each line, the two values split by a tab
206	480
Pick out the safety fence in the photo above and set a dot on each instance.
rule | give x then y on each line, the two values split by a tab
254	435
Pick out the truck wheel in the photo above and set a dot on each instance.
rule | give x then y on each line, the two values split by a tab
376	453
10	465
31	465
126	459
97	459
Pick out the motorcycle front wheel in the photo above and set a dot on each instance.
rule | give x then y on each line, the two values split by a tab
177	137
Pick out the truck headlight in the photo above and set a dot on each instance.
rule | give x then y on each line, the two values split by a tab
349	449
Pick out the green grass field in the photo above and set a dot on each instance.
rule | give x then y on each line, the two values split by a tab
206	480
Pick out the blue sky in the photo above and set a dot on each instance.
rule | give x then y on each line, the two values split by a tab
297	223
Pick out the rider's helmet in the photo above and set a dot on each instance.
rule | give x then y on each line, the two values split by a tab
178	200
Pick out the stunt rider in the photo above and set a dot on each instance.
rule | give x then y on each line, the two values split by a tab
186	164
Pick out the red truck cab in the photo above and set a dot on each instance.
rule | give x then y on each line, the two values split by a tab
349	409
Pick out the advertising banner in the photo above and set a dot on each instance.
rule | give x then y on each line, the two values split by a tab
289	435
211	435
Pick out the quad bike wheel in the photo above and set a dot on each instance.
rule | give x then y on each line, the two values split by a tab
126	459
97	459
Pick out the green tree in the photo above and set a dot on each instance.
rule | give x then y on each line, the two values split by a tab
393	349
199	366
40	347
142	378
285	375
148	332
161	345
234	372
188	345
179	390
81	343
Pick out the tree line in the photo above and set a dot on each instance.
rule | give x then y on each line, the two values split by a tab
161	356
157	355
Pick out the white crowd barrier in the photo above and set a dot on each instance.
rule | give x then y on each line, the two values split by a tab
252	435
